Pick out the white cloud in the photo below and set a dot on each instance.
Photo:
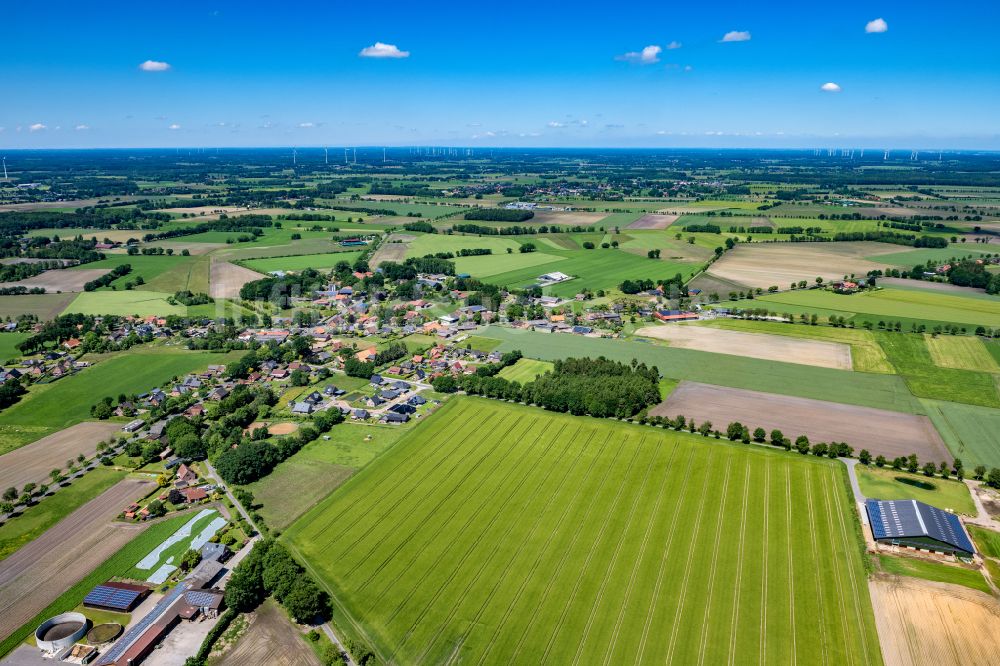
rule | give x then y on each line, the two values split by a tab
380	50
174	126
555	124
688	68
648	56
37	127
82	128
154	66
878	25
736	36
307	125
674	45
830	87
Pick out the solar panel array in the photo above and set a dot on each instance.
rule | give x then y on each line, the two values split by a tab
901	519
111	597
200	598
136	631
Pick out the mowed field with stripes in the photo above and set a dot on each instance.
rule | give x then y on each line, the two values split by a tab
496	533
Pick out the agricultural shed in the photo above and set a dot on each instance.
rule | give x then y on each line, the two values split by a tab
918	525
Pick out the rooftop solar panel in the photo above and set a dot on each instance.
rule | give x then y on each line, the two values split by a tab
900	519
111	597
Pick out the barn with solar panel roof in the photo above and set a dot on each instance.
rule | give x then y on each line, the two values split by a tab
918	525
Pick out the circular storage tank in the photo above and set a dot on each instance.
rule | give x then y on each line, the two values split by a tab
60	631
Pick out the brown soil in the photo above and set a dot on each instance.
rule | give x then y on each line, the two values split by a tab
33	462
61	279
283	428
753	345
891	434
225	279
571	218
922	622
270	639
653	221
930	286
394	252
765	264
38	573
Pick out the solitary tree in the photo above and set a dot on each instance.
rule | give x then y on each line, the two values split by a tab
865	457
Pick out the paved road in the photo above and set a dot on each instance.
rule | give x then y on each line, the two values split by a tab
852	473
239	507
336	641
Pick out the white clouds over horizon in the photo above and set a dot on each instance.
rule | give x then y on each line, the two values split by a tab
174	126
154	66
382	50
876	26
830	87
647	56
736	36
37	127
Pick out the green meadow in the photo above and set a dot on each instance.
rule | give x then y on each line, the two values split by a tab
498	533
885	483
323	261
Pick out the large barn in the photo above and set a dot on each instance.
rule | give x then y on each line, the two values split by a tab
918	525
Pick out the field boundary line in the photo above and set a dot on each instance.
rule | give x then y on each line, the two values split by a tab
590	555
836	569
642	552
562	560
815	550
482	567
791	565
763	584
419	503
417	530
614	557
715	561
692	454
335	520
734	624
689	560
541	551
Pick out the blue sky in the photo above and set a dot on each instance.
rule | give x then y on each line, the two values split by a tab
507	74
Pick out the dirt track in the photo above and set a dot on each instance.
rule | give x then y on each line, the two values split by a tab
226	279
33	462
921	622
38	573
270	639
653	221
891	434
754	345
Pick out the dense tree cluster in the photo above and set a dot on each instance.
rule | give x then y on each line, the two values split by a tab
268	570
108	278
499	215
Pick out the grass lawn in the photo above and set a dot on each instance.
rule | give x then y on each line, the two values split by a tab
525	370
323	261
480	343
500	533
116	565
969	431
495	264
910	355
32	523
987	541
852	388
51	407
961	352
941	573
866	354
319	468
8	345
147	266
911	258
892	304
889	484
135	302
430	243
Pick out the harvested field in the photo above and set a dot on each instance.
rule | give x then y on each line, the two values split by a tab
270	639
225	279
755	345
61	279
44	306
710	283
32	463
891	434
653	221
38	573
765	264
283	428
929	286
390	251
922	622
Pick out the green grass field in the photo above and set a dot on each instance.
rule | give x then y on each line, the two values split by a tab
323	261
911	258
987	541
43	306
506	534
887	484
852	388
172	554
319	468
892	304
135	302
941	573
497	264
33	522
525	370
116	565
8	345
148	267
969	431
430	243
961	352
51	407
